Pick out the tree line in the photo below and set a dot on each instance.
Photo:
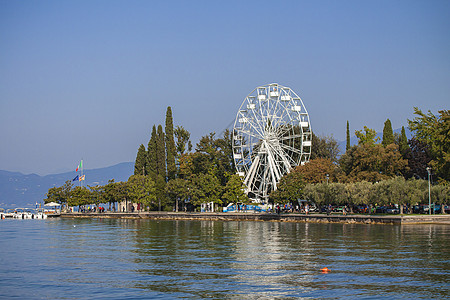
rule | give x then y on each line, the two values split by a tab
393	171
170	175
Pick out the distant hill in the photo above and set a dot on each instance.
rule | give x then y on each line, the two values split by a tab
19	190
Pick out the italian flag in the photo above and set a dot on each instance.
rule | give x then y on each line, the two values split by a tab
79	166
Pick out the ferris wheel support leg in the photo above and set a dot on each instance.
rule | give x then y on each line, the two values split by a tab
251	173
273	171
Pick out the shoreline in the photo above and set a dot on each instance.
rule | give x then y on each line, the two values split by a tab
271	217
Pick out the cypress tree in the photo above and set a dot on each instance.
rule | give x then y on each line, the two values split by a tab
152	155
160	153
388	133
170	145
347	146
141	161
403	143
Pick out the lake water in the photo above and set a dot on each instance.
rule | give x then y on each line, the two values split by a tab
129	259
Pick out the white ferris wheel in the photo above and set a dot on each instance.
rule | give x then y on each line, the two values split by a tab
271	135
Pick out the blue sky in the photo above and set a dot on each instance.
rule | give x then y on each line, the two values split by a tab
88	79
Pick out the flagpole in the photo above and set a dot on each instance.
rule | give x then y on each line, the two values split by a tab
81	181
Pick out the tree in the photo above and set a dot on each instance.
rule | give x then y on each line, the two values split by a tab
80	196
97	194
161	192
170	145
419	157
55	194
161	154
186	168
403	143
114	192
319	193
213	156
316	170
141	161
372	162
178	190
358	192
59	195
369	136
388	133
440	195
205	188
347	145
289	189
324	147
434	131
141	189
152	155
224	157
234	191
183	141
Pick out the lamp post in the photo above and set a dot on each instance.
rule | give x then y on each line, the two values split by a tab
429	189
328	176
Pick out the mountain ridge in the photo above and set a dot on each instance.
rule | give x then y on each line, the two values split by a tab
25	190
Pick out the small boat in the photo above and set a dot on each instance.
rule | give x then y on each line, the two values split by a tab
39	214
22	213
9	213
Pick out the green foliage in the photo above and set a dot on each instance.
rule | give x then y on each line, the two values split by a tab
316	170
440	193
178	190
289	189
434	131
170	145
160	154
160	192
403	143
60	194
234	191
54	194
115	192
205	188
141	161
347	145
324	147
152	155
372	162
368	137
213	156
388	133
96	194
80	196
396	190
183	141
358	192
419	157
141	189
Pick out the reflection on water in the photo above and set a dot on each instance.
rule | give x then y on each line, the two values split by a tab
110	258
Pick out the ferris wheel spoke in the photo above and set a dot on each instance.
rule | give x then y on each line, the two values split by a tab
256	128
292	149
291	137
283	157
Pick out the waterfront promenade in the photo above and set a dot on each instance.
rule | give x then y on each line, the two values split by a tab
272	217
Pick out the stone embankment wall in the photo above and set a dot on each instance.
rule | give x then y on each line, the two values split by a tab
366	219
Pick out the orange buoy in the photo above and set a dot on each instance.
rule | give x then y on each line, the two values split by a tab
325	270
